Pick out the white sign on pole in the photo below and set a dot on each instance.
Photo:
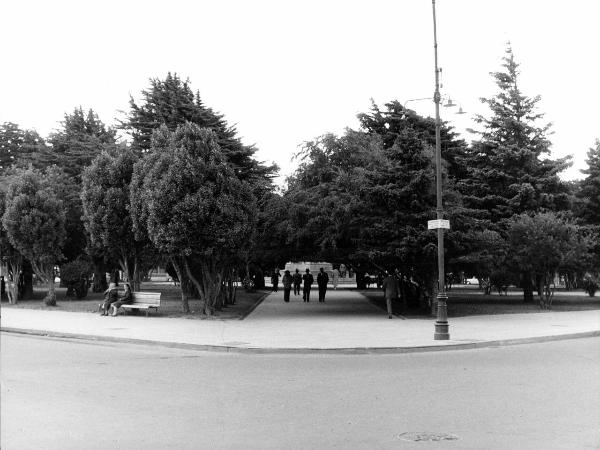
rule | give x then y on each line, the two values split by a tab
438	223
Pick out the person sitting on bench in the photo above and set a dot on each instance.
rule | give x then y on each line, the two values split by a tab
125	300
111	295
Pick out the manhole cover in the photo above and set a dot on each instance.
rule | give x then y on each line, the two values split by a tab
427	436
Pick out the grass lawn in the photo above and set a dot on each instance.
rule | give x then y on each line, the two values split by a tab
462	301
170	302
469	301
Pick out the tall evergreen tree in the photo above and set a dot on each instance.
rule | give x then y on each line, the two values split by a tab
83	137
510	171
589	191
171	102
18	146
509	168
589	196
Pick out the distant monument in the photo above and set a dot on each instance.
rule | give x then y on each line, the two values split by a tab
313	266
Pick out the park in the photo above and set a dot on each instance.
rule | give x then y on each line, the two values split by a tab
163	287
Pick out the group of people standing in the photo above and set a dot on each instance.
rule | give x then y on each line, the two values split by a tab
389	284
297	280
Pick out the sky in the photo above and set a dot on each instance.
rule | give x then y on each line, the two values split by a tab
286	72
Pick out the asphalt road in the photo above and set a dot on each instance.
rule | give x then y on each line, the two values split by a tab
69	394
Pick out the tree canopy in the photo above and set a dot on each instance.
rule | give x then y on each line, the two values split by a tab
171	102
17	146
364	198
83	136
195	210
34	219
509	169
106	198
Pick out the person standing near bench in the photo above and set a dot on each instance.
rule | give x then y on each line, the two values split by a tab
127	299
390	289
322	280
111	295
275	280
308	281
297	282
287	285
336	278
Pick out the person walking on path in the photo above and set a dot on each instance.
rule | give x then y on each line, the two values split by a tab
127	299
287	281
390	289
308	281
297	282
275	280
322	280
335	278
111	295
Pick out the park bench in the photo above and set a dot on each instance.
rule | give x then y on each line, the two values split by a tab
142	300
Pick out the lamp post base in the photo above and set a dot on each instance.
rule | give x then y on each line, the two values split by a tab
441	331
441	324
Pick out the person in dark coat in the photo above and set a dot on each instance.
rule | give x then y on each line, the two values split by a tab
126	299
287	281
322	280
111	295
275	280
390	291
308	281
297	282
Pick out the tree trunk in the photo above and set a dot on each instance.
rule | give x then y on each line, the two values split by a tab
124	264
211	284
50	299
46	273
13	281
99	280
546	291
136	274
26	281
527	287
185	305
232	288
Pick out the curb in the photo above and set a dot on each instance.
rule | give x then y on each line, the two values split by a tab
309	351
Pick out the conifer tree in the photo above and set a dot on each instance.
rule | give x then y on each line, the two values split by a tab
590	187
171	102
83	137
589	195
510	171
18	146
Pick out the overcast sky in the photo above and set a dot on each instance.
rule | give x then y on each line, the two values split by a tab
285	72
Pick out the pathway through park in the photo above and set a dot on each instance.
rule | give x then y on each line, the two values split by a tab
345	316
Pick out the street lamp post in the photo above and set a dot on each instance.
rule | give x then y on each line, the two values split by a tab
441	324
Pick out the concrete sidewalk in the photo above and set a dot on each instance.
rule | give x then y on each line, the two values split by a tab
346	323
